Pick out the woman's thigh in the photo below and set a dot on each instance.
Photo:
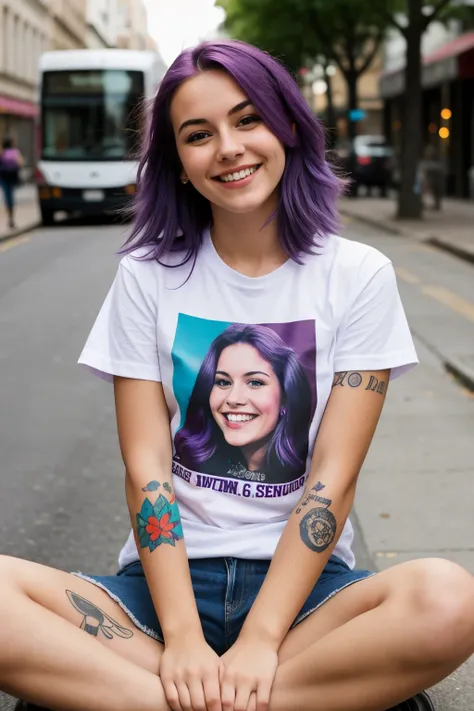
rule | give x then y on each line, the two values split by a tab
81	603
428	586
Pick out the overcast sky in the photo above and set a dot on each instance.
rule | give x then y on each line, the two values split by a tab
177	24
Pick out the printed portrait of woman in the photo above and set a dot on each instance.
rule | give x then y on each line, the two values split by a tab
250	409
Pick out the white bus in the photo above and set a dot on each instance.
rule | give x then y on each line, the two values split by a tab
90	125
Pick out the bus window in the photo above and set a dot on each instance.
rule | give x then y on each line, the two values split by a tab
91	115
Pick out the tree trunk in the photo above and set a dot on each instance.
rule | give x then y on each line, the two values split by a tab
330	113
351	78
410	203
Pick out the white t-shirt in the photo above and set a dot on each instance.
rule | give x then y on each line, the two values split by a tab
247	366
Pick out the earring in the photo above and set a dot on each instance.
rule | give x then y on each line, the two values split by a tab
283	412
185	180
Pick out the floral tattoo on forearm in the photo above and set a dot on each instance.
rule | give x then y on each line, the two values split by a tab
318	526
160	522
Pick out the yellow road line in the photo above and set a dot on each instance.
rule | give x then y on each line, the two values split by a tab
406	275
446	297
14	242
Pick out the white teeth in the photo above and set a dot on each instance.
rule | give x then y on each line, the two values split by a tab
240	175
239	418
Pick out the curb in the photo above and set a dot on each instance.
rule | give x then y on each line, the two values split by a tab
461	372
424	237
20	231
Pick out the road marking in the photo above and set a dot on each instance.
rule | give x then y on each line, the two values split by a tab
446	297
406	275
14	242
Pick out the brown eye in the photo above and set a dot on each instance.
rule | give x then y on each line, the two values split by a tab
249	120
198	136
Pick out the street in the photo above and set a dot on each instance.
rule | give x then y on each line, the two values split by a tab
61	486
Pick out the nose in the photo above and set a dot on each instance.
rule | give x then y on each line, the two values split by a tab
230	147
236	396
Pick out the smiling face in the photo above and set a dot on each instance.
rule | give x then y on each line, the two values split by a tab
245	400
226	151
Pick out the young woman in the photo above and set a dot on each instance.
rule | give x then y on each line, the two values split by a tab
250	409
238	595
11	161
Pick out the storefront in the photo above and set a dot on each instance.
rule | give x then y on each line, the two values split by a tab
18	120
448	107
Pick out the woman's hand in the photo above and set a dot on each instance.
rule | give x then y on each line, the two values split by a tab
189	672
247	674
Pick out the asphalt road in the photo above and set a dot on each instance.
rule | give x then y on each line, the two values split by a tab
61	478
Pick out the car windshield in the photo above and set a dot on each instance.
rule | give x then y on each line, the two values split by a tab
91	115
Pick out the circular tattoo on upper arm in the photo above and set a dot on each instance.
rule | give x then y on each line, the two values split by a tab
354	380
318	528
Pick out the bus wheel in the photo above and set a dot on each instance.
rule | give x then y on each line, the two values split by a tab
47	216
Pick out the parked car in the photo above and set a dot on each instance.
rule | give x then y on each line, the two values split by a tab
369	162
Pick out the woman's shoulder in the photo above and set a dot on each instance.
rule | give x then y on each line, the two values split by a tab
348	256
142	261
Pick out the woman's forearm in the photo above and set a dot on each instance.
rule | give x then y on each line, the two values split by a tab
305	546
158	533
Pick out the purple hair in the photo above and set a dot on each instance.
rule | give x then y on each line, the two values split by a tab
200	441
171	216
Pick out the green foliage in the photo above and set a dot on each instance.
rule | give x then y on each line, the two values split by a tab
297	31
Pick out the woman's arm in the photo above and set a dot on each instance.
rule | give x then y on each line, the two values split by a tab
317	521
145	442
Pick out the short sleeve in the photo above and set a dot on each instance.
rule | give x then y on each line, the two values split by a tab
374	334
123	339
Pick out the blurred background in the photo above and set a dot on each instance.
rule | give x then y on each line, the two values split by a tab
393	83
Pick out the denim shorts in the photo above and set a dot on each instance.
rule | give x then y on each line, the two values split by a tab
224	588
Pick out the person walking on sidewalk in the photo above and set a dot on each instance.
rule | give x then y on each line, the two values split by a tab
250	349
11	161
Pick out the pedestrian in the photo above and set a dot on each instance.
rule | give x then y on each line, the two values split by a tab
237	592
11	161
433	173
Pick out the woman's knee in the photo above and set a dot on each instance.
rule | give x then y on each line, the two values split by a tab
441	601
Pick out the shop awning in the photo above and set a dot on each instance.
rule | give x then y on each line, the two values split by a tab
17	107
453	60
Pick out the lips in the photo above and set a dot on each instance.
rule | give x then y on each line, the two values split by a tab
237	174
239	418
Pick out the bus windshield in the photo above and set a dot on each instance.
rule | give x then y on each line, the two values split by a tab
91	115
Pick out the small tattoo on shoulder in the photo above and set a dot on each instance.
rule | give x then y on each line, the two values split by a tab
94	619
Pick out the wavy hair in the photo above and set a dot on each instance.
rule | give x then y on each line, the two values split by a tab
200	441
171	216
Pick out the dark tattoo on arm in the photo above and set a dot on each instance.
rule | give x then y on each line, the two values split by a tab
94	619
159	522
355	380
318	526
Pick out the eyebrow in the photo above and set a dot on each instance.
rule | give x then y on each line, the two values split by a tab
251	372
200	121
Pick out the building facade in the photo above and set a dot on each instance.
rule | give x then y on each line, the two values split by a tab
447	99
132	25
101	18
69	26
25	32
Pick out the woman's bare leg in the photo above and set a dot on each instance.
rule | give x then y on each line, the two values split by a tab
379	641
58	657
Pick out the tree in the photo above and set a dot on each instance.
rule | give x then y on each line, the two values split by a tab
419	15
346	32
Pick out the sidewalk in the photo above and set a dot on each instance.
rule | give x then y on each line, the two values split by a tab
451	228
27	214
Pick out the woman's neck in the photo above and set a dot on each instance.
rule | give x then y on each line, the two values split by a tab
244	244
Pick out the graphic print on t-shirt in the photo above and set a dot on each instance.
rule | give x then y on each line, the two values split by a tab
247	396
